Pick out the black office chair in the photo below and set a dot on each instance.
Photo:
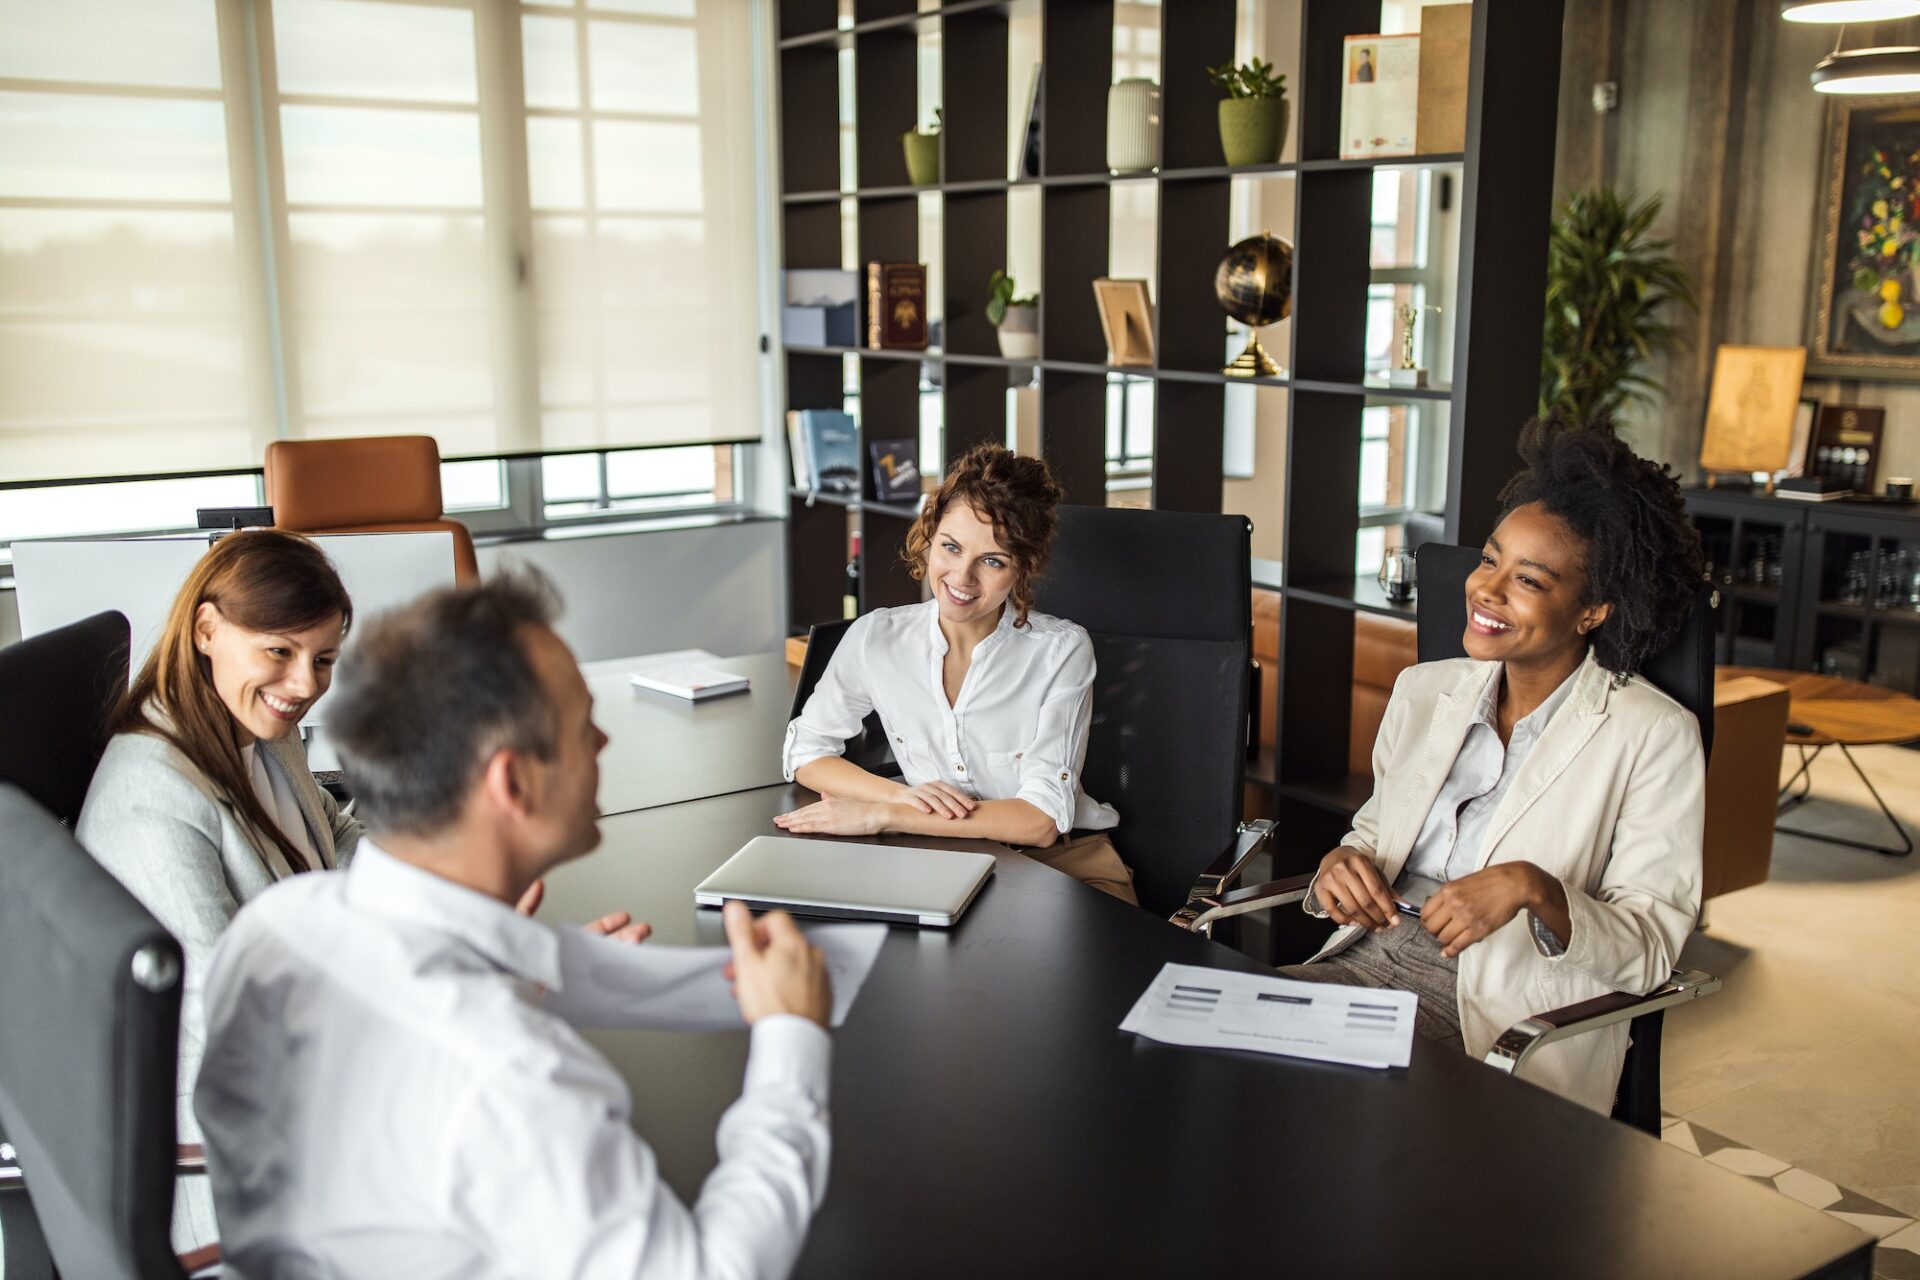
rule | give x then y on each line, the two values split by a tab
868	748
1683	671
89	1035
56	691
1167	598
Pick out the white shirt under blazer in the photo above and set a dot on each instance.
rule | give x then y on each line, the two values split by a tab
391	1088
1018	730
1611	801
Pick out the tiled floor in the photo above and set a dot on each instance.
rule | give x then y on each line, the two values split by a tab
1811	1051
1898	1255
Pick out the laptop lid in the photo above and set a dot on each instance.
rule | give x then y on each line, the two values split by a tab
849	881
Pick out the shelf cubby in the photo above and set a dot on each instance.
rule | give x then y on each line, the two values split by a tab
971	223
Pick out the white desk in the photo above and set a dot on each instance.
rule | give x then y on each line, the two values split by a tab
665	750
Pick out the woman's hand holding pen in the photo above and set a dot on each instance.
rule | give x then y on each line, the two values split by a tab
1351	891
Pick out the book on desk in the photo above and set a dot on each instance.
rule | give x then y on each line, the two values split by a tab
693	674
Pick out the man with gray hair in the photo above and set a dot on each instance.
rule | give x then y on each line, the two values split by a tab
385	1091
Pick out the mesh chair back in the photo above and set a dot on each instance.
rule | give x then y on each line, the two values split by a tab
1167	598
868	748
1683	671
89	1030
56	691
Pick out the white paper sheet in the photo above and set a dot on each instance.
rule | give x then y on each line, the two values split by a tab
1220	1009
659	988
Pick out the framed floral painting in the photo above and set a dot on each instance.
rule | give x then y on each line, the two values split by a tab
1864	321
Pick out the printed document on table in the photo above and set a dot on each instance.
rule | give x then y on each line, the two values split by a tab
1219	1009
651	987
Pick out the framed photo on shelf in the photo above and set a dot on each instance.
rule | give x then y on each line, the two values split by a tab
1126	318
1846	445
1864	319
1751	408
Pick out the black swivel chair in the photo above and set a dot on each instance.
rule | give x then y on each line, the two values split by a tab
89	1033
868	748
56	691
1167	598
1683	671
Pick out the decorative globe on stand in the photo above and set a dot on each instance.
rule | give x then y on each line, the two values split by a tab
1254	284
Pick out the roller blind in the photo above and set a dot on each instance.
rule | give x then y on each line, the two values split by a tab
516	227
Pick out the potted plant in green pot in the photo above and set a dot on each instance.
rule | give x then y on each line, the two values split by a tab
1015	320
1608	283
923	153
1253	116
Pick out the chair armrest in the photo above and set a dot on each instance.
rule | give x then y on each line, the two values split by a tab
1200	915
1518	1042
1226	869
189	1158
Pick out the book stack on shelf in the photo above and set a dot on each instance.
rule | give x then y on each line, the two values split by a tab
1056	161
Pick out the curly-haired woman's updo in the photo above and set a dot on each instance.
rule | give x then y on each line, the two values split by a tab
1015	494
1643	553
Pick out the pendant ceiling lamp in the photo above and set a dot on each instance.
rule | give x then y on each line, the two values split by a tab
1848	10
1895	69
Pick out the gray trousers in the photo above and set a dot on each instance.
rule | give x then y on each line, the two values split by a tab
1404	958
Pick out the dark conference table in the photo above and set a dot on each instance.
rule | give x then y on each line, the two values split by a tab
990	1120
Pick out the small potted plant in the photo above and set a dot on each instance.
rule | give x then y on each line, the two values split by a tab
1253	116
923	153
1016	320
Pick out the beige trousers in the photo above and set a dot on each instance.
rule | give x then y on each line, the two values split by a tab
1090	858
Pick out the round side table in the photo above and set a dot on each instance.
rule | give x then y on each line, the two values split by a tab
1828	711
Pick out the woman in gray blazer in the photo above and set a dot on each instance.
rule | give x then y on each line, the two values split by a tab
203	798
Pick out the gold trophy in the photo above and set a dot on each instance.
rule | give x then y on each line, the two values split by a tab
1406	373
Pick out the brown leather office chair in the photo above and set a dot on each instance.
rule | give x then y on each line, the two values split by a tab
368	484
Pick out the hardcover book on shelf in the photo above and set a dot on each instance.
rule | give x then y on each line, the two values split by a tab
1379	96
832	443
1446	46
897	305
896	471
821	309
797	450
1026	162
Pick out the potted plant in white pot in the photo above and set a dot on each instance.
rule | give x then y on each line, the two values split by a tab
1253	116
923	152
1015	320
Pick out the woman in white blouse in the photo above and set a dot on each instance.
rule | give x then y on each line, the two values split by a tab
986	703
203	798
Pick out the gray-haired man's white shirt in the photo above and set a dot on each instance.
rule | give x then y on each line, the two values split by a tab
388	1090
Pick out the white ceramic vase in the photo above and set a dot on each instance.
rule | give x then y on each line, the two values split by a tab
1019	333
1133	126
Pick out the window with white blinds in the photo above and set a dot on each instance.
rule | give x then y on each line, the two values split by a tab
520	228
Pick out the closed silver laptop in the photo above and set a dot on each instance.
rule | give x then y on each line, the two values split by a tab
849	881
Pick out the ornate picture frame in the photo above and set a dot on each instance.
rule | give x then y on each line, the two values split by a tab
1863	320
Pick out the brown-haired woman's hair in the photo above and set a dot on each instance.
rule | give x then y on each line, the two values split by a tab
261	580
1015	494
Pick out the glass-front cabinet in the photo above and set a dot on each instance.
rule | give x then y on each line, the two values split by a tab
1830	587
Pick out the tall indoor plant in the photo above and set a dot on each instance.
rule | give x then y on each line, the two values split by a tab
1608	285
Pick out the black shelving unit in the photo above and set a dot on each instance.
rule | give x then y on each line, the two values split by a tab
1505	197
1814	586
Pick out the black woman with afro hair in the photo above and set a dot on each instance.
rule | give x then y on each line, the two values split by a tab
1533	837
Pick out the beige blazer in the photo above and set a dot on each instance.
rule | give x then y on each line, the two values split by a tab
1611	801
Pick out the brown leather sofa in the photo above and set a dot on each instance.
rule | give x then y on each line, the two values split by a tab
1750	717
368	484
